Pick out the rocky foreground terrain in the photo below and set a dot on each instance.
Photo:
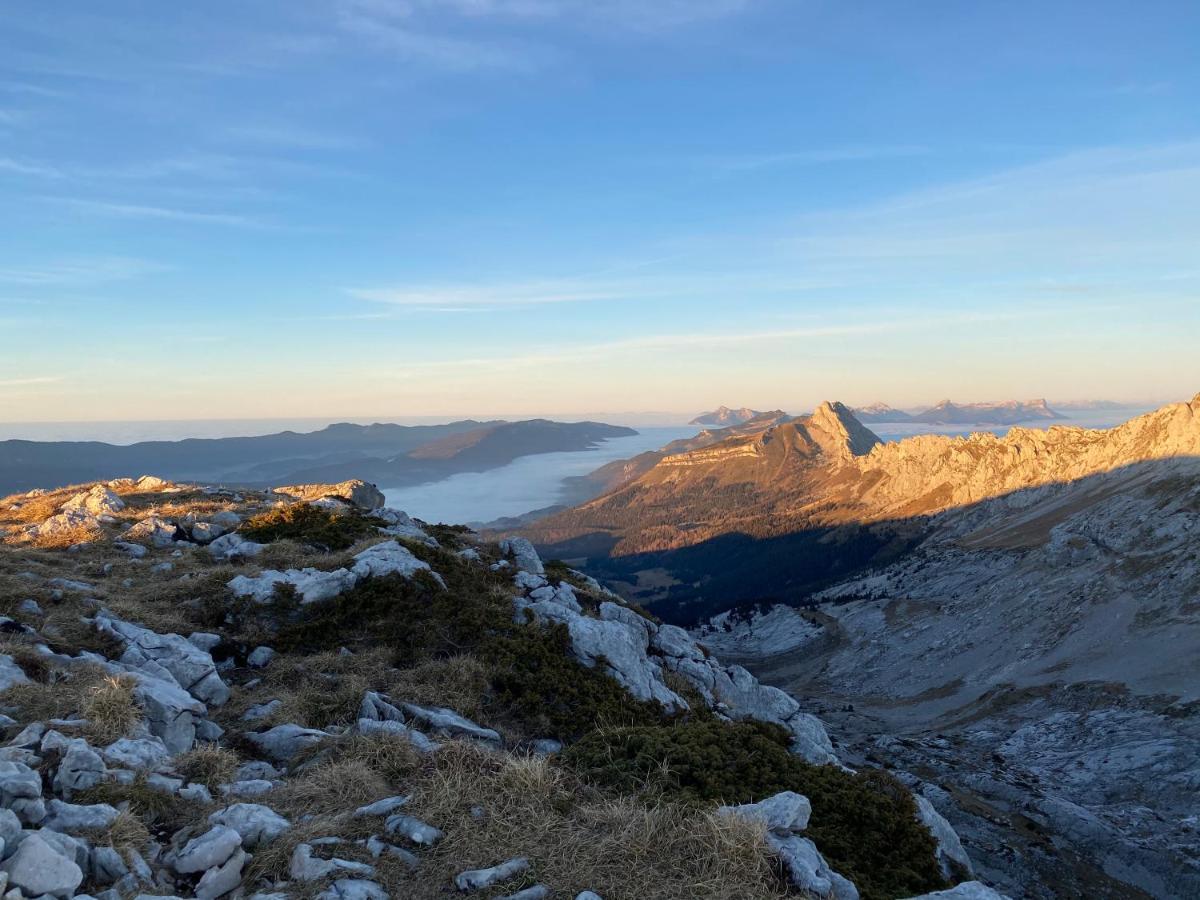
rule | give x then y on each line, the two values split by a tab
301	693
1033	658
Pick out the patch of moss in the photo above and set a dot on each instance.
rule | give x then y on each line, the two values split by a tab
311	525
864	823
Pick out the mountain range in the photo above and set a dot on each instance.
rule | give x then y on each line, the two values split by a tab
1005	412
391	455
1016	617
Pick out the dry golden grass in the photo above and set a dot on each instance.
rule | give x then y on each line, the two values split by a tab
62	693
125	833
457	682
110	709
623	848
207	764
329	788
391	757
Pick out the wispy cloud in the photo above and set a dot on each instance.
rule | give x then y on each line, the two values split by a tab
30	169
79	271
161	213
658	343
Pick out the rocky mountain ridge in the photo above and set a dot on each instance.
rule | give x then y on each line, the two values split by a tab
301	693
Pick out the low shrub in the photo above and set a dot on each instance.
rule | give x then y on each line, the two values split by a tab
864	823
311	525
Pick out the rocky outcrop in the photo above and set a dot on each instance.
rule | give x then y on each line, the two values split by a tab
313	585
355	492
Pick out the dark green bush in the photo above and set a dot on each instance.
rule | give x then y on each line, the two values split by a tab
540	684
864	823
311	525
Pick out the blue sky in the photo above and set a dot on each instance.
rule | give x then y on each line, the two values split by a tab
425	207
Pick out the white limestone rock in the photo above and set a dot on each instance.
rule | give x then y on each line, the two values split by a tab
968	890
807	869
283	742
156	531
952	858
257	824
448	723
222	879
390	558
192	669
353	889
234	546
479	879
208	850
39	868
523	554
784	812
10	673
99	501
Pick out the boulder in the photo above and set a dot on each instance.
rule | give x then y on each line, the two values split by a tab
260	657
378	708
192	669
478	879
234	546
11	673
137	753
353	889
207	851
807	869
356	492
537	892
80	769
39	868
283	742
389	558
156	531
223	878
71	817
257	824
414	829
524	555
952	858
784	812
384	807
99	501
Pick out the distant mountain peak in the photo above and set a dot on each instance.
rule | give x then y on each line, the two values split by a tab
724	416
850	436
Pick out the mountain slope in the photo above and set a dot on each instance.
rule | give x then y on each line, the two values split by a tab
213	693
